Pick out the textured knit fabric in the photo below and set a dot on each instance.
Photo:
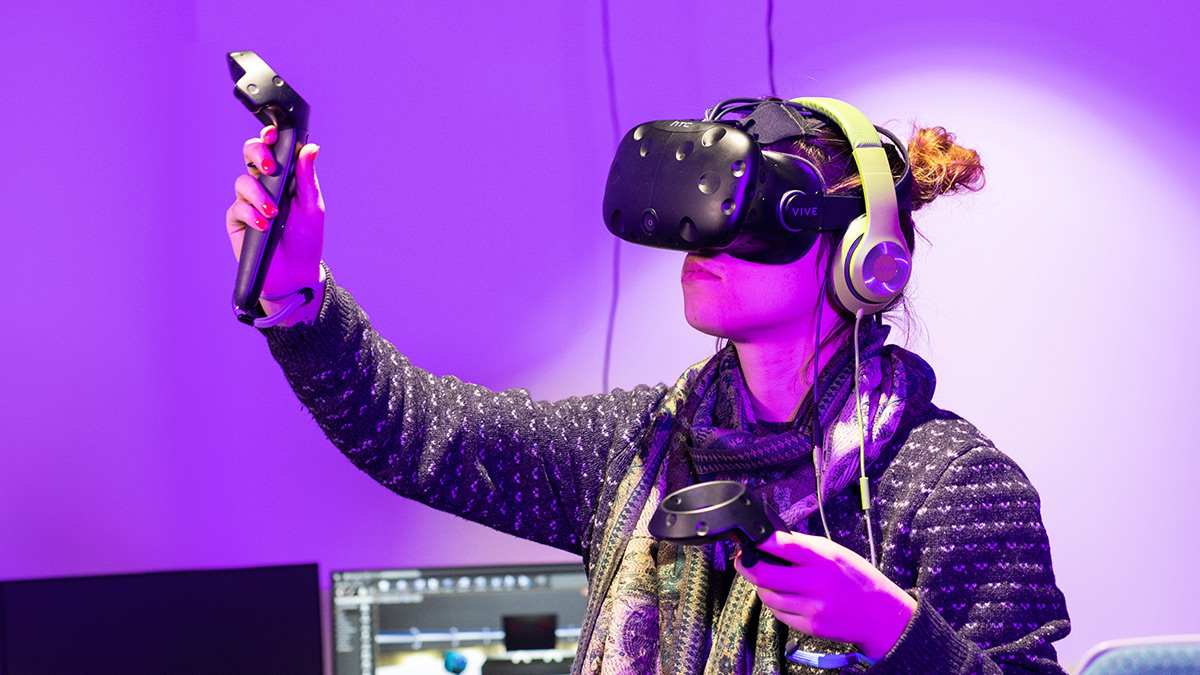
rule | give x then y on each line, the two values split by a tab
717	435
727	442
956	521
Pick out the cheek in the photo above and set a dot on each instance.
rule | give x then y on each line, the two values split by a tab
716	309
703	307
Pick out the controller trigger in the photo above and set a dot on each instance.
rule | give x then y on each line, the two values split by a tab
749	556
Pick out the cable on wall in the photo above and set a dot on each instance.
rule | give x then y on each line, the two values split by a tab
606	41
771	45
609	72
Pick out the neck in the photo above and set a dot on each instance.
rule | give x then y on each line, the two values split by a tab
779	372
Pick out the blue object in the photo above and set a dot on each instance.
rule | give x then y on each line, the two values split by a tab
455	662
829	660
1165	655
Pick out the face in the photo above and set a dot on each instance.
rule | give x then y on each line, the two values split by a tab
750	302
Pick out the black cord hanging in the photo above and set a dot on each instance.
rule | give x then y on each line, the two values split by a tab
606	42
771	46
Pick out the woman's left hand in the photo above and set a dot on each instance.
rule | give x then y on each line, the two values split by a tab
830	592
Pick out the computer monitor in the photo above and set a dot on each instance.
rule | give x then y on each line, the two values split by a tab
231	621
496	620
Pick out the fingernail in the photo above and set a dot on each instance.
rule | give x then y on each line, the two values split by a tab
268	166
269	210
261	224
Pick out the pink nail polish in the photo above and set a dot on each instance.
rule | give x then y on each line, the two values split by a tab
268	166
269	210
261	224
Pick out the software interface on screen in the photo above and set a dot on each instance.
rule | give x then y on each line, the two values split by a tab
510	620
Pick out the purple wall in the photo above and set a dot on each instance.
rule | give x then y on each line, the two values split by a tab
465	146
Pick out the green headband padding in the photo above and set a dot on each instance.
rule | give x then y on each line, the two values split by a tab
876	236
879	188
879	185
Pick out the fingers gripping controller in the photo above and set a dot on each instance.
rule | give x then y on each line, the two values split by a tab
272	101
708	512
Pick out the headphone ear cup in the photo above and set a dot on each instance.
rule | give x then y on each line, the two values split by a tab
872	262
868	272
841	270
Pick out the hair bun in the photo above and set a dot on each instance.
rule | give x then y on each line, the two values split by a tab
940	166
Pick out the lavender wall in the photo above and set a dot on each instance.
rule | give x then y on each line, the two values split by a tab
464	150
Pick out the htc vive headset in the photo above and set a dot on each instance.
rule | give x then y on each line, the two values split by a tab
708	185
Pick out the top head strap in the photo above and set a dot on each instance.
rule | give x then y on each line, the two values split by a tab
772	122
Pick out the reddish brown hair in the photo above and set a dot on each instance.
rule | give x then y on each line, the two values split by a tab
939	166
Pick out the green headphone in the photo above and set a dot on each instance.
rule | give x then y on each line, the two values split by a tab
873	261
709	185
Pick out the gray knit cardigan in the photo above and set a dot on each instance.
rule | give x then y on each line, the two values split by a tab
958	523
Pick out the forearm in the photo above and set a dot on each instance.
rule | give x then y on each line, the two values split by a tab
930	644
529	468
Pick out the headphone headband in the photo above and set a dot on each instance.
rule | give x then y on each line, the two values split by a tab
873	261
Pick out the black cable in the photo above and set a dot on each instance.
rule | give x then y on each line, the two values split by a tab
612	314
771	45
732	105
616	130
609	72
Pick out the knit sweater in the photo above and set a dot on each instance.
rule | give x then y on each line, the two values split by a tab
957	522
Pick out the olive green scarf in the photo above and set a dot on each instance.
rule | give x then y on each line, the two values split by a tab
656	607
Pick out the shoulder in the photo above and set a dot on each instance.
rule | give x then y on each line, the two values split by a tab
940	437
946	463
674	397
937	451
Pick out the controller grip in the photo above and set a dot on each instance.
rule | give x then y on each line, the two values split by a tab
258	247
272	101
751	557
707	512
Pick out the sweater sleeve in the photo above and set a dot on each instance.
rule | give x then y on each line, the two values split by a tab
987	598
532	469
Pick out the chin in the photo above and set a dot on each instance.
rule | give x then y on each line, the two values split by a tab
708	330
706	323
718	314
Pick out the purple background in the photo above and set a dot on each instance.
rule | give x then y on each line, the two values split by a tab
465	146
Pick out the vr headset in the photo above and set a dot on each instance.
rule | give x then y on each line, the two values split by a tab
708	185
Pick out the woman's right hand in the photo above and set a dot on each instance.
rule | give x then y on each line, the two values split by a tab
296	262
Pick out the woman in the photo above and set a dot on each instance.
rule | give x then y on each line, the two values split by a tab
948	571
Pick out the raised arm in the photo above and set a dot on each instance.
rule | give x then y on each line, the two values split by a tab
533	469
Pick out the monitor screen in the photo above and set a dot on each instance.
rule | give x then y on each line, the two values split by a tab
257	620
499	620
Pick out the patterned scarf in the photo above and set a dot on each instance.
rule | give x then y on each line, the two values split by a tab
657	607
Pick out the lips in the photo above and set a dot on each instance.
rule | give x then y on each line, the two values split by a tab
697	270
